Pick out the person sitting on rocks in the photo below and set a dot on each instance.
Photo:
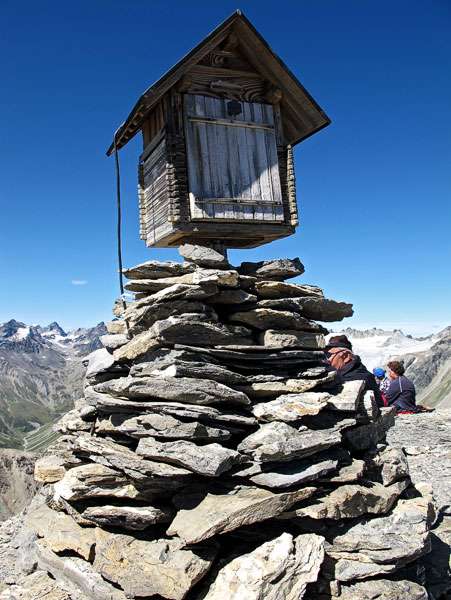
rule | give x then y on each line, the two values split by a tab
401	393
349	367
382	381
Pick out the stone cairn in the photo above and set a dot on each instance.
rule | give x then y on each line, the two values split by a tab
214	456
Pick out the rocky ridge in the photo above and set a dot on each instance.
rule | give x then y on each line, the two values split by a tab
213	455
41	375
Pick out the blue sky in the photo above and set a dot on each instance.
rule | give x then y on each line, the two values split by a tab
373	188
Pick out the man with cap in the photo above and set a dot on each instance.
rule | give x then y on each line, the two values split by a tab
348	365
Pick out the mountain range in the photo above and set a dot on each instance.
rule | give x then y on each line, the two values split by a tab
427	359
41	375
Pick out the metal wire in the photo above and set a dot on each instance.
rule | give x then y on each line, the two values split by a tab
119	226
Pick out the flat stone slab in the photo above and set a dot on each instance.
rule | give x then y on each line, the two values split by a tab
280	442
144	568
294	473
278	289
205	414
268	318
350	501
155	269
374	547
348	398
218	513
176	389
192	369
277	269
384	589
72	571
288	338
319	309
135	518
279	569
61	532
291	407
210	460
158	426
289	386
203	256
175	330
141	317
232	297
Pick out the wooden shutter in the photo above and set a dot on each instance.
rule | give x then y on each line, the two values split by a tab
232	161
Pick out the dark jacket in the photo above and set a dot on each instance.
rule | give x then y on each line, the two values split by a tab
356	371
402	395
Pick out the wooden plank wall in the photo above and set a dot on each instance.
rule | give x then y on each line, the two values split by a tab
232	162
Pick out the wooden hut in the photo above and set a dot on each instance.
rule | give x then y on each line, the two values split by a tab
218	130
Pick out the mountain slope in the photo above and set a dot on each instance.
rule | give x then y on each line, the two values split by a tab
41	374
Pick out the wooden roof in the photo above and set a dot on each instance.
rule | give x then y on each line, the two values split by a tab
301	114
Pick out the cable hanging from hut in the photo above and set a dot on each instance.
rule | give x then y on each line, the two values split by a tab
119	223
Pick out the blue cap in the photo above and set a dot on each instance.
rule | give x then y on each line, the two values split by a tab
379	372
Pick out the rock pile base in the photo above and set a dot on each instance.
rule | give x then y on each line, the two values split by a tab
214	456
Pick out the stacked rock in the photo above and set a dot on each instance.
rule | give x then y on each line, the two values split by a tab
215	456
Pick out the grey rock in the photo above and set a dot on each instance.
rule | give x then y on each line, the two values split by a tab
155	269
350	501
143	317
277	269
71	422
151	568
348	398
281	442
288	386
201	277
176	389
383	589
183	291
292	339
348	473
97	481
159	426
155	476
232	297
205	414
210	460
393	465
279	569
137	347
218	513
320	309
78	573
35	587
134	518
192	369
377	546
101	364
368	435
291	407
61	533
268	318
49	469
175	330
426	440
113	342
278	289
203	256
294	473
116	326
